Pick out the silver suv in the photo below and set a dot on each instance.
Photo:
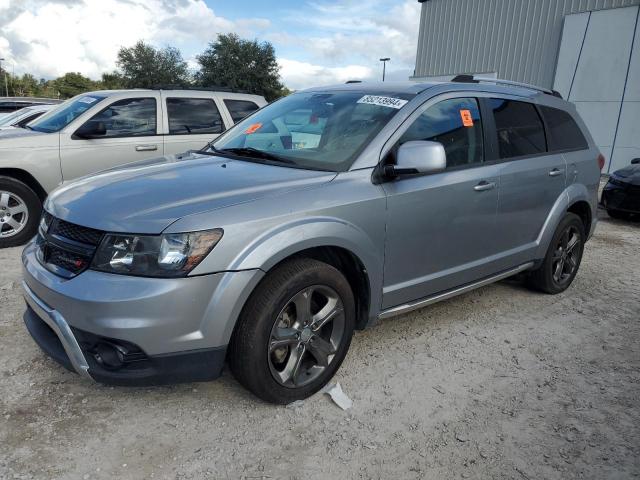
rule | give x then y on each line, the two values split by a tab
315	216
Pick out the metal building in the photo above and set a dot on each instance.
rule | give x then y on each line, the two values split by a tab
588	50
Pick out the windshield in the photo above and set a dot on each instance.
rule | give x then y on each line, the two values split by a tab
61	116
324	131
13	117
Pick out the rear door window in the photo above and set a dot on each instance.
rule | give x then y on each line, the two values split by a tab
240	108
456	124
519	128
563	131
193	116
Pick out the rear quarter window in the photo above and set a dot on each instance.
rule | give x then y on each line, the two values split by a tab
240	108
563	131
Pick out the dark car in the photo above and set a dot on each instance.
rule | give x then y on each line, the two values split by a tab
621	195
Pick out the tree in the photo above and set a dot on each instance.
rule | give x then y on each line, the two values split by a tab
112	81
241	64
73	83
143	66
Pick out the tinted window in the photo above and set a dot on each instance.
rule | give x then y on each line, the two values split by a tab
132	117
193	115
240	109
564	133
519	128
454	123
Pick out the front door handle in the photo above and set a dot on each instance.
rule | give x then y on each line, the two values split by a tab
484	185
555	172
146	148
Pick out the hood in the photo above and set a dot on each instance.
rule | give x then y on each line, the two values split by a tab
12	136
149	196
630	174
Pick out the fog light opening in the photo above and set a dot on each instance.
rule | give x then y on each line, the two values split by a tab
109	355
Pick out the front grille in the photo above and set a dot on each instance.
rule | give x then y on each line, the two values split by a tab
74	232
64	248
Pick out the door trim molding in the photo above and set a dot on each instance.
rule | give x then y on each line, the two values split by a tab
408	307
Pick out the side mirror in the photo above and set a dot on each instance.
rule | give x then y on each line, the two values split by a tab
418	157
91	129
635	161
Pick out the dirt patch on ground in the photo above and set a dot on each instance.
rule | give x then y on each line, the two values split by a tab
499	383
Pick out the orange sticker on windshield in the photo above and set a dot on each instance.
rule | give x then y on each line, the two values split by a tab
467	119
253	128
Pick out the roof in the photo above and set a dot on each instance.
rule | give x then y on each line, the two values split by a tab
382	87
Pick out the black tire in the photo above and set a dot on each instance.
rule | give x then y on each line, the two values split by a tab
618	215
544	278
34	210
251	354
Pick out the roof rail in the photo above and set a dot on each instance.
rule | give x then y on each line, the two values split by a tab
498	81
195	87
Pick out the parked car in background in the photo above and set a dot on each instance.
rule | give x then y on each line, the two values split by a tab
315	216
100	130
20	118
11	104
621	194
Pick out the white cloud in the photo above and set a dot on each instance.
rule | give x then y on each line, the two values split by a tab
369	30
49	38
297	75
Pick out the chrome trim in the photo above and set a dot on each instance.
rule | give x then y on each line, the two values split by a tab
61	328
408	307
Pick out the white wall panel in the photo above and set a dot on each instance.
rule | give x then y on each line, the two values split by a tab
573	32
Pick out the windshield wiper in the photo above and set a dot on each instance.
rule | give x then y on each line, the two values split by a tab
254	153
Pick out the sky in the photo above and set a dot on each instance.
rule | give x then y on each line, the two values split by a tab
316	42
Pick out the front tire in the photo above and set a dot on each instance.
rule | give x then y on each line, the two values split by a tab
20	210
563	257
293	332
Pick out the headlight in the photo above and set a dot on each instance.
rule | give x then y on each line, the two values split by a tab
170	255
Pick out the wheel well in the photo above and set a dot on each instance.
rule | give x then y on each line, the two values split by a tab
352	268
583	210
26	178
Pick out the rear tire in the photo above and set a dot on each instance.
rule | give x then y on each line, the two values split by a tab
293	332
562	261
20	210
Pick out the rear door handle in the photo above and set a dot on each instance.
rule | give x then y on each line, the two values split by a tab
555	172
146	148
484	185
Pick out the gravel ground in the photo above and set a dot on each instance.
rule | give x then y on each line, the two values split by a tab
498	383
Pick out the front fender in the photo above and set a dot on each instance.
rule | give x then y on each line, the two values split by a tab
274	245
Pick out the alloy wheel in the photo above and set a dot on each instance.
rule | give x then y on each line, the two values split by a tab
306	335
566	255
14	214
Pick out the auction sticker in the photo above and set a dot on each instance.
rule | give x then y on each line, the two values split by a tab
87	99
390	102
253	128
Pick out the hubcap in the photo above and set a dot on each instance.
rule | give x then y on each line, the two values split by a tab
13	214
306	335
566	255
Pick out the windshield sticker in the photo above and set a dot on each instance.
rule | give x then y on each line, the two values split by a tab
87	99
253	128
467	119
390	102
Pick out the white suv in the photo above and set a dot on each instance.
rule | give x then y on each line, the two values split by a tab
100	130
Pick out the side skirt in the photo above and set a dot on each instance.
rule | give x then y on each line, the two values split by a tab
408	307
